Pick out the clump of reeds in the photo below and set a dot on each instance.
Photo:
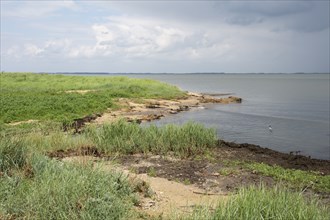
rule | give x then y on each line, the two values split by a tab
13	154
123	137
65	191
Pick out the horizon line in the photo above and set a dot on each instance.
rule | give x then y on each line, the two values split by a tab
169	73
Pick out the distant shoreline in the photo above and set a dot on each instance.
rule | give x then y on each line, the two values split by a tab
174	73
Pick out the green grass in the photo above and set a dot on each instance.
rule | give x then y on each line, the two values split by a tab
261	203
228	171
122	137
13	154
152	172
297	178
185	140
294	178
33	186
26	96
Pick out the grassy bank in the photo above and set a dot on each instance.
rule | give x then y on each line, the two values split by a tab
27	96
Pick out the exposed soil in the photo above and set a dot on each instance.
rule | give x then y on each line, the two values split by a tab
158	196
79	91
226	151
251	152
144	110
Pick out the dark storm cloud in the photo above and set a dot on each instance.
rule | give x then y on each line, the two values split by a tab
269	8
315	20
243	20
302	16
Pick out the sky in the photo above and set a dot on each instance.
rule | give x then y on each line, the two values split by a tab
165	36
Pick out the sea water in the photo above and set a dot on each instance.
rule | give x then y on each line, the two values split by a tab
295	105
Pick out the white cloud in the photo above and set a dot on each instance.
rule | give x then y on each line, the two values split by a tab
14	51
48	48
82	51
124	37
32	50
138	37
131	37
57	46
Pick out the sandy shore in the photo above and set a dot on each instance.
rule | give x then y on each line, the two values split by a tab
152	109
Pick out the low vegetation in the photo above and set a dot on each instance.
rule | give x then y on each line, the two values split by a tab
259	203
27	96
298	178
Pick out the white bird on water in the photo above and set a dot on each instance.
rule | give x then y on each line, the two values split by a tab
270	128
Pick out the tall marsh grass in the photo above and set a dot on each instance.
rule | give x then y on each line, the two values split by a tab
261	203
13	154
123	137
59	190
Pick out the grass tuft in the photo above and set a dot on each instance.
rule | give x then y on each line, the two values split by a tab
261	203
127	138
13	154
65	191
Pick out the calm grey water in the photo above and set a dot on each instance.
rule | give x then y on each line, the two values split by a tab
296	106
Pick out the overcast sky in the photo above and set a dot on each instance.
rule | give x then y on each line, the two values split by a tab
168	36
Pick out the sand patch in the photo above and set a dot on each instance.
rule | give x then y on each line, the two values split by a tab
153	109
80	91
166	197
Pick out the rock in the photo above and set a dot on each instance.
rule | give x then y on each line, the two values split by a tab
152	106
183	107
235	99
194	94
